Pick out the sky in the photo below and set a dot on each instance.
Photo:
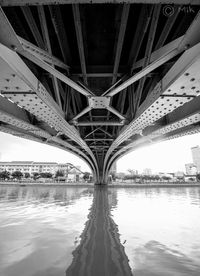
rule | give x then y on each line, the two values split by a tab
167	156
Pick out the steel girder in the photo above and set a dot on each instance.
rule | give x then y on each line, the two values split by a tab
183	120
179	86
20	86
60	2
149	123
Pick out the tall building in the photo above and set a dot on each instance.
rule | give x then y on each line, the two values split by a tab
114	168
196	157
190	169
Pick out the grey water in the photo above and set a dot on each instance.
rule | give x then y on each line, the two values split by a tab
81	231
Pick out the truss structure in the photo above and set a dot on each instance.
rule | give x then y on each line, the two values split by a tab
98	79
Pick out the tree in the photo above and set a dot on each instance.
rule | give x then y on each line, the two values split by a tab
27	175
59	173
198	177
46	175
180	178
167	178
86	176
36	175
17	174
156	177
4	175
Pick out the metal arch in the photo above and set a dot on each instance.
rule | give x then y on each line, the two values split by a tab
9	38
35	139
180	119
12	115
156	106
15	66
190	39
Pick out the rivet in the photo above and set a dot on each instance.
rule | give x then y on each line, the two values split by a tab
13	47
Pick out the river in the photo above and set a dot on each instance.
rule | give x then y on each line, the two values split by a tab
81	231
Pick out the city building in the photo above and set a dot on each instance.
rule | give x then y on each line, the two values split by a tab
147	171
196	157
179	174
40	167
190	169
114	168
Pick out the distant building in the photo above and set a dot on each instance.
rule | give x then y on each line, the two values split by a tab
114	168
179	174
190	178
190	169
147	171
39	167
196	157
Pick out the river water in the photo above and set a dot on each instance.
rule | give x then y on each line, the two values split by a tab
81	231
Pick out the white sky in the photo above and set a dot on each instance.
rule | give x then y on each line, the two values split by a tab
168	156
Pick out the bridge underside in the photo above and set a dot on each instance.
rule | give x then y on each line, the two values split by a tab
99	80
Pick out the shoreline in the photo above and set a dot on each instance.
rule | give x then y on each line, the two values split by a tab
113	185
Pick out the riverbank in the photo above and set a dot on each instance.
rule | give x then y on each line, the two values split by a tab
27	184
114	184
155	185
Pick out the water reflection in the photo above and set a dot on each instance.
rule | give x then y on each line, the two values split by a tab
40	227
99	231
161	228
100	252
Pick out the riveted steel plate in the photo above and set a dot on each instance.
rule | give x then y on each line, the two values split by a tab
9	81
182	123
11	120
188	84
99	102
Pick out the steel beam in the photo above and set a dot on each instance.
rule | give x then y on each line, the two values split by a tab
143	22
157	54
15	44
33	26
42	105
166	57
104	123
191	37
46	38
85	110
61	2
79	35
40	53
57	21
151	36
122	30
16	122
181	79
167	28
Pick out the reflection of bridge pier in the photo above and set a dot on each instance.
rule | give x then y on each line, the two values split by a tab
100	252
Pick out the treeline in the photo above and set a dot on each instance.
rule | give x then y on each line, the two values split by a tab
5	175
149	178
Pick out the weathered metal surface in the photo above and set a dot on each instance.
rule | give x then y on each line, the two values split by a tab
62	2
99	80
